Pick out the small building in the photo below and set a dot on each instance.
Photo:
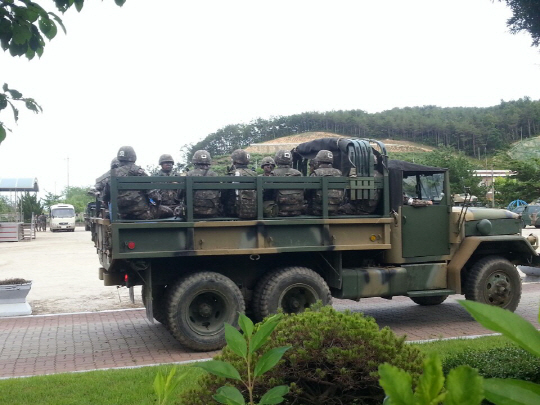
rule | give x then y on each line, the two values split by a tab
487	177
11	224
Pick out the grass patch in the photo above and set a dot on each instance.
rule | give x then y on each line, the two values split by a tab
124	386
445	348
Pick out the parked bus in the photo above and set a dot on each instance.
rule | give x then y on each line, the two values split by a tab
62	217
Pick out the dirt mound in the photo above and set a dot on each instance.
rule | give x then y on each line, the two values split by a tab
289	142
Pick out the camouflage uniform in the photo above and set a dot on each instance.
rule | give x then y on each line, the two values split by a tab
269	204
134	204
102	182
335	196
206	203
42	222
241	203
290	202
168	197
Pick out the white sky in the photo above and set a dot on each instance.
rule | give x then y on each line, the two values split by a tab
159	74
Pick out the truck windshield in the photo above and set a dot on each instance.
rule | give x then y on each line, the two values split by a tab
426	187
63	213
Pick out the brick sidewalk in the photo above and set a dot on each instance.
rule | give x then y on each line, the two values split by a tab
38	345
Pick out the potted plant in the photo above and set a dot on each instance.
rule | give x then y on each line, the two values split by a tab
13	292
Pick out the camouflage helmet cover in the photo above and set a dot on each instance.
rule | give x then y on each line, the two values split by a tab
126	154
166	158
267	161
240	156
115	163
201	157
325	156
283	157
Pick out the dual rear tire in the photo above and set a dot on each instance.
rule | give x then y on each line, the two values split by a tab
292	289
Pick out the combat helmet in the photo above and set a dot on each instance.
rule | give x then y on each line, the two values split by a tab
126	154
240	156
115	163
267	161
325	156
166	158
201	157
283	157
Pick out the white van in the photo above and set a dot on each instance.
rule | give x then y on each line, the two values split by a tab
62	216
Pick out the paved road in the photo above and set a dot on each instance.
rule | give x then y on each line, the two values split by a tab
76	342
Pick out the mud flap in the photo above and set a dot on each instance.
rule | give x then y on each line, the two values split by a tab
131	295
148	294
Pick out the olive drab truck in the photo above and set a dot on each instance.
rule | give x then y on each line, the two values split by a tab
397	233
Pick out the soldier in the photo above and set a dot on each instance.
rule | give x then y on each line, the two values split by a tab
290	202
42	222
268	164
168	197
206	203
103	180
135	204
324	168
269	204
242	203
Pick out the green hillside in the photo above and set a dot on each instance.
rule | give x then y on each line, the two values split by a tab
525	150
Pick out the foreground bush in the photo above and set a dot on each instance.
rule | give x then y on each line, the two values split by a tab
333	360
505	362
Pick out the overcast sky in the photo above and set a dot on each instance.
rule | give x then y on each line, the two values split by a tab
159	74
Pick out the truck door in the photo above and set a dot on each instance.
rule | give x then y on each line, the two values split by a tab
425	228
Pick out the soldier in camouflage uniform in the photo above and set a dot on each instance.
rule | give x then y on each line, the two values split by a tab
269	202
206	203
268	164
135	204
241	203
324	159
103	180
168	197
290	202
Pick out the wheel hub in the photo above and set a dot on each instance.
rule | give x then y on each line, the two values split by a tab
205	310
498	289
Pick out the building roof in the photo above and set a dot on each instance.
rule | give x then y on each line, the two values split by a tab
19	184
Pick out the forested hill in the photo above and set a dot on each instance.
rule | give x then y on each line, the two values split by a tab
475	131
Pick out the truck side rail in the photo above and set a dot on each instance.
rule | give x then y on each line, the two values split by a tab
356	188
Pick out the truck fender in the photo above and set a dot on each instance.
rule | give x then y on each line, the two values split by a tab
469	246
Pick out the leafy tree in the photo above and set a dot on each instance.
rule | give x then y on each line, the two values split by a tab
29	204
525	184
526	18
460	168
23	26
78	197
51	199
5	206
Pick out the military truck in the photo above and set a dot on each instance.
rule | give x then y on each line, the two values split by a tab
88	214
397	234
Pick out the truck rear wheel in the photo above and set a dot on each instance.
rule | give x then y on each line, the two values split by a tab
434	300
292	288
159	303
495	281
199	305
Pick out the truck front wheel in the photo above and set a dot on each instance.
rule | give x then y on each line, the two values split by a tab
199	305
495	281
292	288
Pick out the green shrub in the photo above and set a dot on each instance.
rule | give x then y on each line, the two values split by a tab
333	360
502	362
